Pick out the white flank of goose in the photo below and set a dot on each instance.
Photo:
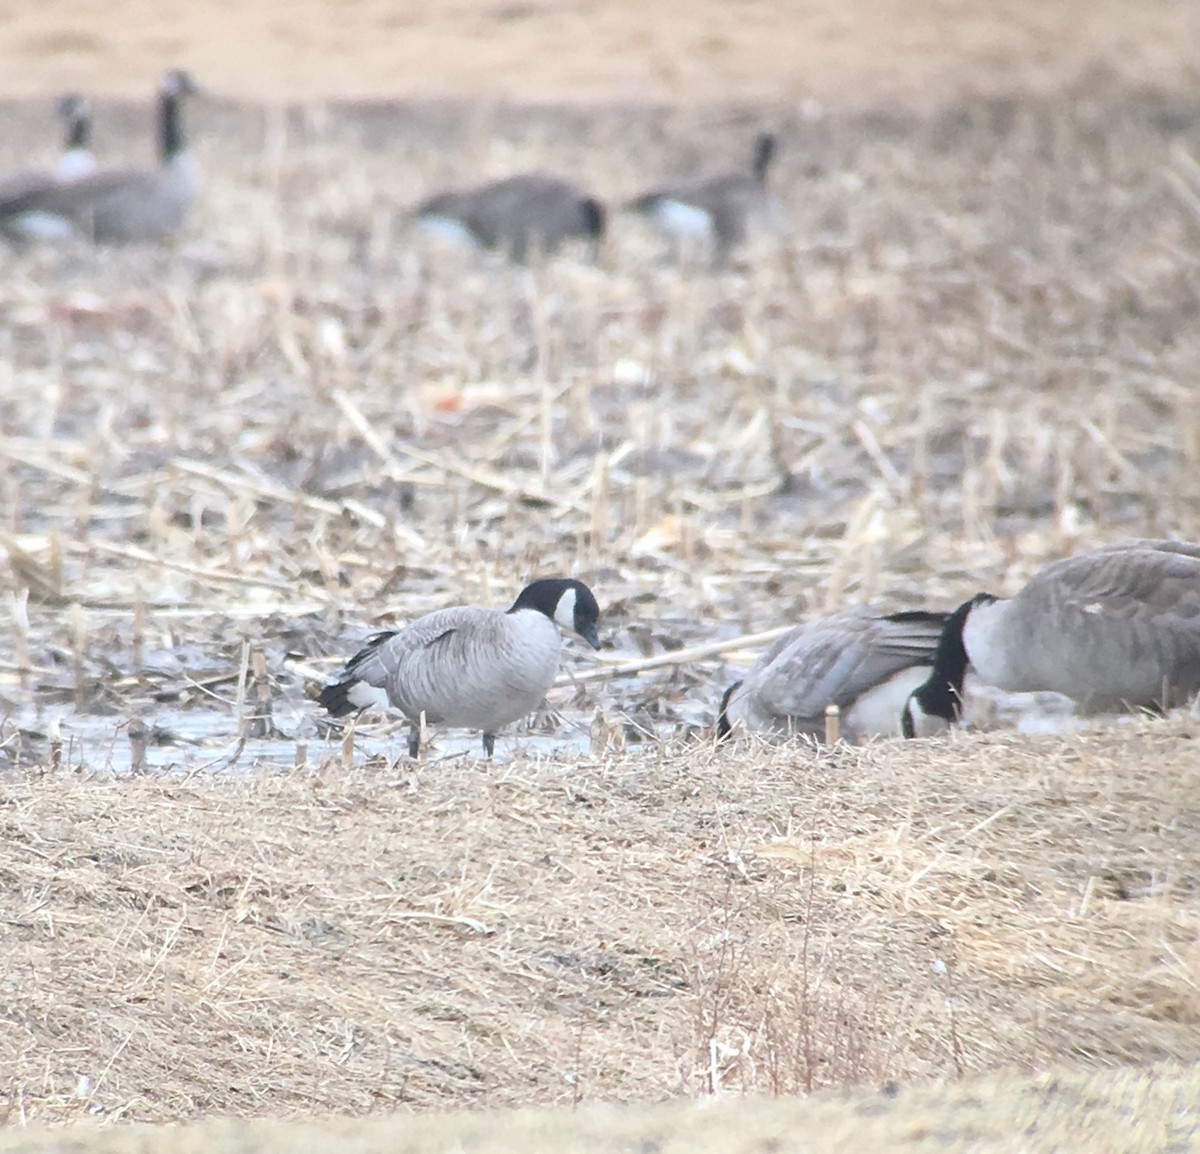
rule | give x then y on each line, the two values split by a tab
864	661
469	667
1114	628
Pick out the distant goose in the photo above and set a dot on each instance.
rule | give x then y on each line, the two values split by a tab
125	204
714	208
517	214
861	660
1118	627
468	667
75	161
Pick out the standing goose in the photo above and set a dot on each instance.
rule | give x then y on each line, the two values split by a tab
517	214
468	667
125	204
715	208
75	161
1117	627
863	661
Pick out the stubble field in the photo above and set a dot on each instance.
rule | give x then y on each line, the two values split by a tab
969	348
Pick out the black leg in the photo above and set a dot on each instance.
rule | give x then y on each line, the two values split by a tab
414	741
489	744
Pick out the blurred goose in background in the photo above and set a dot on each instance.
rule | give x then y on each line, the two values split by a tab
75	161
1114	628
122	204
468	667
713	209
534	210
862	660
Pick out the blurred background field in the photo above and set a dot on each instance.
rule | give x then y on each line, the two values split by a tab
971	348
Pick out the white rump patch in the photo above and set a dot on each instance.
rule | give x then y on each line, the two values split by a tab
564	611
364	696
684	220
448	231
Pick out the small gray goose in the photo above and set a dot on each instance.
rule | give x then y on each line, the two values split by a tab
715	208
468	667
534	210
864	661
75	161
1114	628
124	204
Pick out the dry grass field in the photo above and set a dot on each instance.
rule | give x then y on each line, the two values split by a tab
968	347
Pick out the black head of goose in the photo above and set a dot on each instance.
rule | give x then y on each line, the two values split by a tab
1114	628
862	660
469	667
127	204
713	208
517	215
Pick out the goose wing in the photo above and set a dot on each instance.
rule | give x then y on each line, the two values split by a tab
835	660
78	197
1111	626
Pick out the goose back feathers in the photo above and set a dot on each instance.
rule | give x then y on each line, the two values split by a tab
862	660
1114	628
518	214
469	667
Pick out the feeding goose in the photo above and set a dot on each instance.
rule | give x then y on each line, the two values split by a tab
714	208
517	214
124	204
862	660
1117	627
469	667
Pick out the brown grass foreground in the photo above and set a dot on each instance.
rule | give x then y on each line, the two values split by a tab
1132	1111
771	921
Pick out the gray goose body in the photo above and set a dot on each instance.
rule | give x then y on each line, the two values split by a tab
469	667
862	660
123	204
1112	629
715	207
517	214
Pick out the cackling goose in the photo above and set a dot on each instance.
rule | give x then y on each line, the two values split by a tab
125	204
468	667
862	660
517	214
75	161
1117	627
714	208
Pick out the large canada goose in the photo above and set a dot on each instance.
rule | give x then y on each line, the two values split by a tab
124	204
862	660
517	214
715	208
1117	627
468	667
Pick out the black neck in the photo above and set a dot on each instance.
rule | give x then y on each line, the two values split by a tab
941	695
764	150
170	126
724	729
79	131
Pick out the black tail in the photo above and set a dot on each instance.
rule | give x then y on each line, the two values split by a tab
336	698
724	729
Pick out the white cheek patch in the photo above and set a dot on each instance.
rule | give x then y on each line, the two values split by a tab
564	611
